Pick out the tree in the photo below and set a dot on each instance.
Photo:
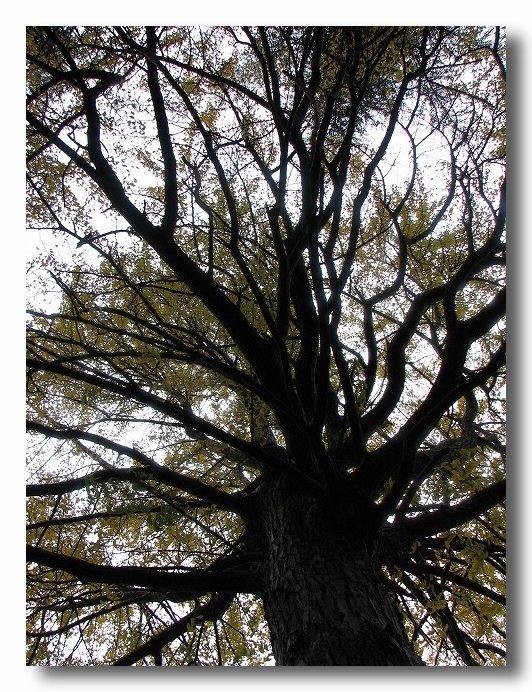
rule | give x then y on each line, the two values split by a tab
266	346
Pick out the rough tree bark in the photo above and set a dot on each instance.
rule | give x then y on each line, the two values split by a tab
324	601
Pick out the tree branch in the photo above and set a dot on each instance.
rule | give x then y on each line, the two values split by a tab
448	518
189	584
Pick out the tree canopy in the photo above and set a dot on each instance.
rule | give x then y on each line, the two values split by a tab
265	335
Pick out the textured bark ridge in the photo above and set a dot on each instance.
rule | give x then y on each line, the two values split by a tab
324	603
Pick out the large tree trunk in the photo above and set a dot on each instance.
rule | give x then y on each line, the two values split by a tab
324	602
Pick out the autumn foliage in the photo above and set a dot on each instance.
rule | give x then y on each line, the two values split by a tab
266	346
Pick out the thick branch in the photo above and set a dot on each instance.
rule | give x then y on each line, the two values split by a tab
165	140
448	518
208	612
191	584
179	413
160	473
